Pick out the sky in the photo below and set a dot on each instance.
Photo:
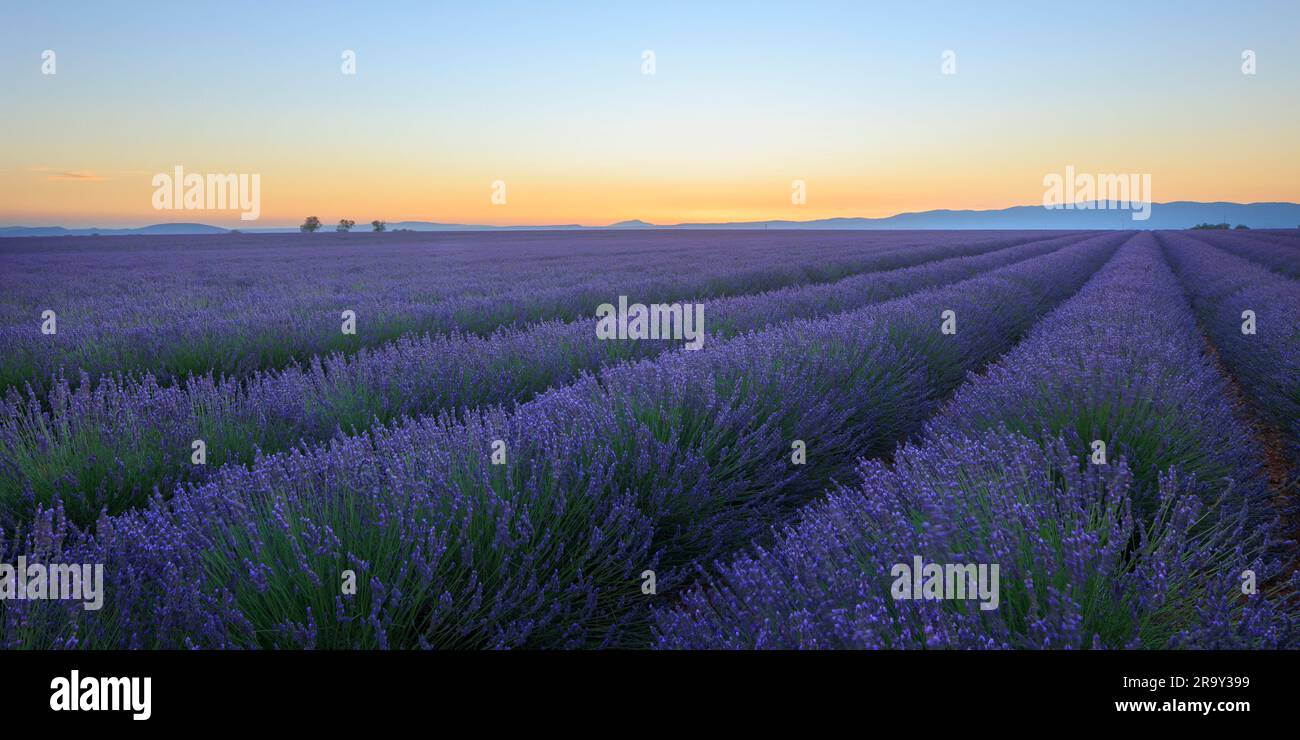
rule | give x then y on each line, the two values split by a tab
449	100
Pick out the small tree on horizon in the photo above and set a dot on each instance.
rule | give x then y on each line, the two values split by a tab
310	225
378	225
345	225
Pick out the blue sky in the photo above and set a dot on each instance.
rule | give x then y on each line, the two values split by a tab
549	97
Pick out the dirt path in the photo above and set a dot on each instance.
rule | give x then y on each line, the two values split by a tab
1285	488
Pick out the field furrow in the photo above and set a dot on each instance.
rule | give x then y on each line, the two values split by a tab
1273	253
536	526
1142	547
209	321
109	445
1252	316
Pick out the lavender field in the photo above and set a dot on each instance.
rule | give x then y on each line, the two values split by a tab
427	440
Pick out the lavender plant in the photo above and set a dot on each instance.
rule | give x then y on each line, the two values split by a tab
658	465
1078	569
1143	551
219	305
1267	361
1277	253
1123	362
107	445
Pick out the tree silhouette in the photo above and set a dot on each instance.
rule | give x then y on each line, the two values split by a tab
345	225
311	224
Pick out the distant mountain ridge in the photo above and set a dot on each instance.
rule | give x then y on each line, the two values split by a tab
176	228
1173	215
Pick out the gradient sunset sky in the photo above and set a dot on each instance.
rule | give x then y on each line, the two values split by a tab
550	98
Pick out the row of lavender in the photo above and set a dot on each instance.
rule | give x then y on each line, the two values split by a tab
655	466
230	314
1278	253
1145	549
1252	316
108	445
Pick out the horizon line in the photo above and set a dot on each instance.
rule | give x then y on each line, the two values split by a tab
649	224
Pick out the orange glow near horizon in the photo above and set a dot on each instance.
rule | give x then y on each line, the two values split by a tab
555	102
107	199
